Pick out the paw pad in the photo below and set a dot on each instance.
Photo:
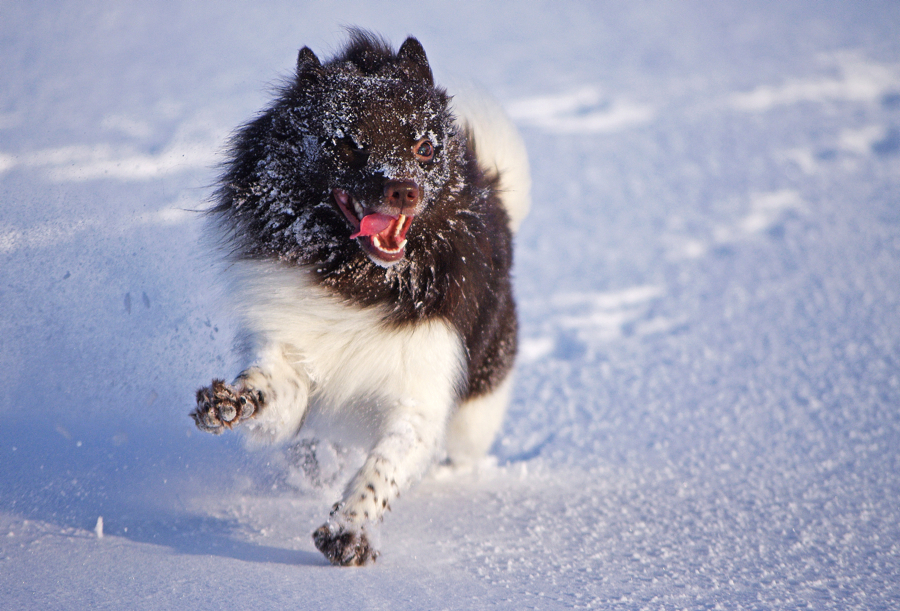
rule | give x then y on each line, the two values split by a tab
221	406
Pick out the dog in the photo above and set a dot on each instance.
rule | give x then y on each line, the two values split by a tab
366	220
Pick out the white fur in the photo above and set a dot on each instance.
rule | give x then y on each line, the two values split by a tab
341	366
498	146
475	424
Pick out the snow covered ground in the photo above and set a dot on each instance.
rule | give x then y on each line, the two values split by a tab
708	403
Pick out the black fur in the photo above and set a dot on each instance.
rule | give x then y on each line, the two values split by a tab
352	123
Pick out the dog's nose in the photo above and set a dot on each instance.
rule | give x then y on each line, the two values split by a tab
402	195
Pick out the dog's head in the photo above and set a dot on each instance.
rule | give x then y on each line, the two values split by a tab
385	139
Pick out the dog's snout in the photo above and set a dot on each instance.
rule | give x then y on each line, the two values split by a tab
402	195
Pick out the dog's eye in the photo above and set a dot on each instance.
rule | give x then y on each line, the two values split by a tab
424	150
355	154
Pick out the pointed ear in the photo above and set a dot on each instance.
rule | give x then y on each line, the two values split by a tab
412	54
308	65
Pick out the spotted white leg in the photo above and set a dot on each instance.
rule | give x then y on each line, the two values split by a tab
408	445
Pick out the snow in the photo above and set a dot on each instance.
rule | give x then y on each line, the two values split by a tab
706	412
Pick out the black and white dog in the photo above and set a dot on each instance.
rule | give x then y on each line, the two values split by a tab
367	221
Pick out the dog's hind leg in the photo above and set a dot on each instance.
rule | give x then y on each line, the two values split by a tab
475	424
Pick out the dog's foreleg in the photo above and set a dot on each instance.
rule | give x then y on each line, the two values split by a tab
407	447
270	398
221	406
419	391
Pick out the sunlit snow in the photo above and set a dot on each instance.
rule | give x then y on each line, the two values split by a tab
707	408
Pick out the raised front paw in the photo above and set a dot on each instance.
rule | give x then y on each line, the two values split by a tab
344	545
221	406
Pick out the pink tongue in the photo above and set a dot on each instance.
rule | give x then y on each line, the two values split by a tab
372	224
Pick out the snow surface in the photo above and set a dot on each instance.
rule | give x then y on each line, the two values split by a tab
708	404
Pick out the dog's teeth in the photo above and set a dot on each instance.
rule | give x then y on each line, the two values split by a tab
376	241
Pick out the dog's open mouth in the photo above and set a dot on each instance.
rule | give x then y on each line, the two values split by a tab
381	235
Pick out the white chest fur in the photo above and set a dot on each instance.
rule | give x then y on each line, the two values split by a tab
337	363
